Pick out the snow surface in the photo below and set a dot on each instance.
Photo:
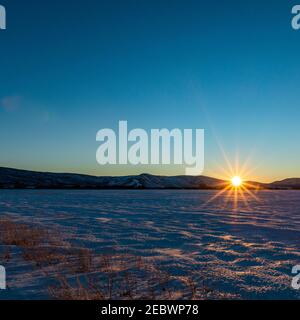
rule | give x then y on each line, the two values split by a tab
245	253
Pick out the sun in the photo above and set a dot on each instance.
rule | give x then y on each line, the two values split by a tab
236	181
236	188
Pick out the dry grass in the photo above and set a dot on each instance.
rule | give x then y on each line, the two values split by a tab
22	235
79	274
84	260
6	254
122	276
37	245
64	291
43	256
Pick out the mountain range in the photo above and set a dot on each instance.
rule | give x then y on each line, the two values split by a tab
24	179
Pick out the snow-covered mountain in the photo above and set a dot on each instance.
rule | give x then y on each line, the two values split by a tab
292	183
23	179
16	179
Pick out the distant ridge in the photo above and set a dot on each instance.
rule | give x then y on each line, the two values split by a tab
291	183
24	179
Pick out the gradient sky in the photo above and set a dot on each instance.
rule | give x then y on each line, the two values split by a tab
70	68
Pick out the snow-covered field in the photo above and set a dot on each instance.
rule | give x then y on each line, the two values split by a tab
244	253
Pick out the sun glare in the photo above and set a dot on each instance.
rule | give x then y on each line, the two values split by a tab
236	186
236	181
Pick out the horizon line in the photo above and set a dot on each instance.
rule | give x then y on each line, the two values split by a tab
130	175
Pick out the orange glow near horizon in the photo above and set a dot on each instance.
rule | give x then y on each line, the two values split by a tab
238	190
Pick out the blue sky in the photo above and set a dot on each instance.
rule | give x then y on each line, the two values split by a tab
70	68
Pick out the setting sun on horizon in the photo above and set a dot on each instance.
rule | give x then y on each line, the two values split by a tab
236	181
